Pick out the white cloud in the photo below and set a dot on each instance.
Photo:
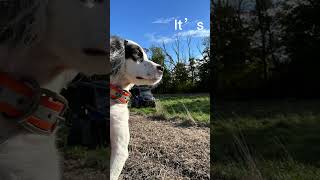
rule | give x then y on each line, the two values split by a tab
159	39
168	39
194	33
163	20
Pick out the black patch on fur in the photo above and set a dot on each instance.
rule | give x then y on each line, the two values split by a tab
133	52
116	53
116	44
120	50
22	31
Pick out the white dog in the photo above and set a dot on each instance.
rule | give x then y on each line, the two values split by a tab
40	39
130	66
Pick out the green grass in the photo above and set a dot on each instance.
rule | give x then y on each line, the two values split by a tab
190	108
89	158
266	140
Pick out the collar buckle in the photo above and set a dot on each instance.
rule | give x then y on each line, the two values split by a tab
23	102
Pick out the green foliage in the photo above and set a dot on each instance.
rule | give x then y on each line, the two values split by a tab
166	84
180	77
158	55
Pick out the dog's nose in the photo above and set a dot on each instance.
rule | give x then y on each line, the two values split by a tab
160	68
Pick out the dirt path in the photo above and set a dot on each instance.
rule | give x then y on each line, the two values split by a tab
166	150
157	150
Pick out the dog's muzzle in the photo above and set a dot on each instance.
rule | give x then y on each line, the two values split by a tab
25	104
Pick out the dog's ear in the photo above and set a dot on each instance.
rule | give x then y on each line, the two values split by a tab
116	45
133	51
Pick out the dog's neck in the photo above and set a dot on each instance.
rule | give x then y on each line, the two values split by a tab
36	62
126	87
121	82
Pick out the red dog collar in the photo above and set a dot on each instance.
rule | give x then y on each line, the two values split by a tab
22	101
119	95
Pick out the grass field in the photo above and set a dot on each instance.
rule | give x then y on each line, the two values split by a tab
194	108
277	139
79	160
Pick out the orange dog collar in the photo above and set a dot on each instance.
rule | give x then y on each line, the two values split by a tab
119	95
22	101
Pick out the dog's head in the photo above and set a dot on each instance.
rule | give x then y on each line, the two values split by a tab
129	60
78	29
53	35
78	24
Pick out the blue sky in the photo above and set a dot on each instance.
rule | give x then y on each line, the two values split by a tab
151	22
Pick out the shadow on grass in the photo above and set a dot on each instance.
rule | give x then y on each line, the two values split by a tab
265	139
264	108
276	140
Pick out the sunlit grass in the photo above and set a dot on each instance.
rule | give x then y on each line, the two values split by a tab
194	108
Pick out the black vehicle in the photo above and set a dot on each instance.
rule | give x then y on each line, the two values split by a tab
142	97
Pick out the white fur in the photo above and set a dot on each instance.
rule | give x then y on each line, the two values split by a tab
63	29
125	78
29	157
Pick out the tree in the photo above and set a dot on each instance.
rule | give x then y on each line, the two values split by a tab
204	69
274	41
191	59
181	78
302	41
157	55
263	28
231	50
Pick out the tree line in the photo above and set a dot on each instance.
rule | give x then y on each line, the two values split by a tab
265	48
183	71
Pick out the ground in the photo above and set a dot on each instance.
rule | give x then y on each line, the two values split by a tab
167	150
170	141
158	150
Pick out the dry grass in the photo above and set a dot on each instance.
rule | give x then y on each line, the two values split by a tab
167	150
76	170
158	149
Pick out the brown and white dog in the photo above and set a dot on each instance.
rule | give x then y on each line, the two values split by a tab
42	40
130	66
